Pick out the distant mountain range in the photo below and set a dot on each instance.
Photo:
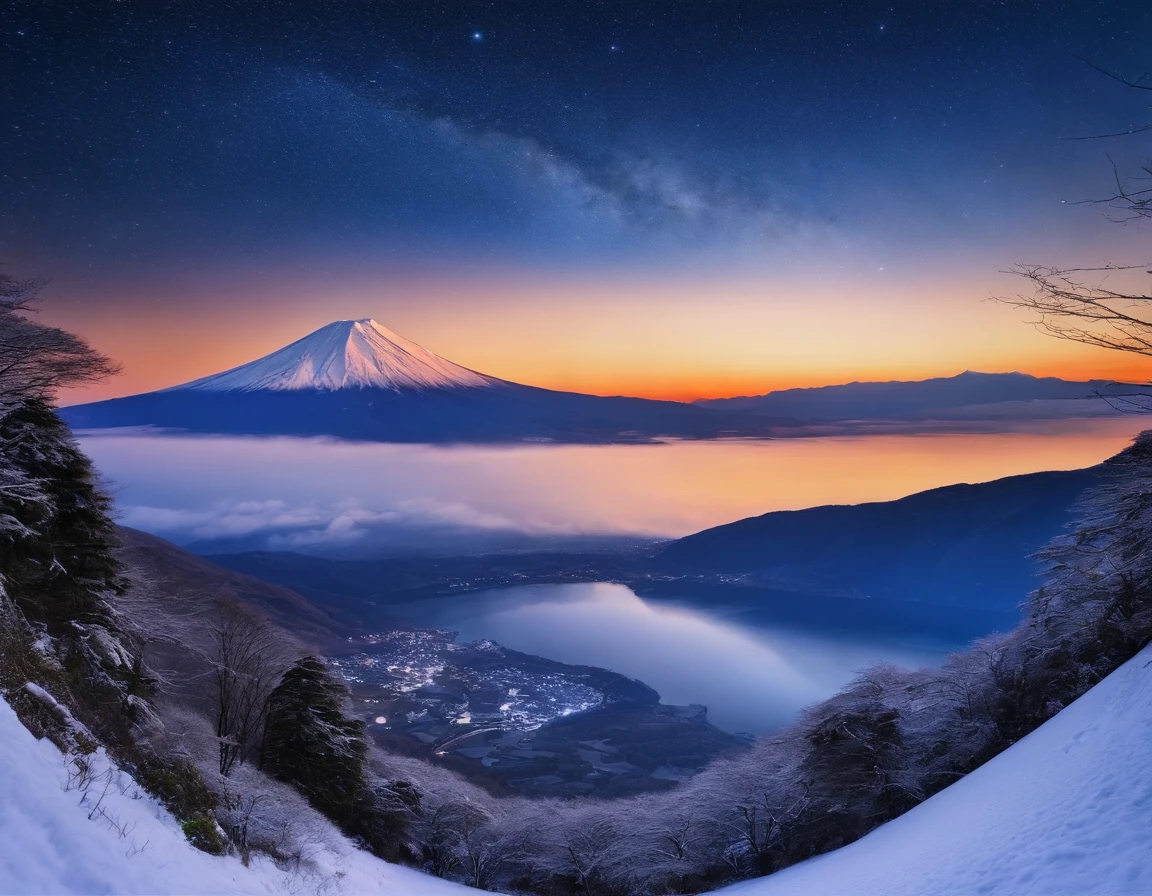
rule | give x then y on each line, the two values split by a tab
355	379
969	395
959	545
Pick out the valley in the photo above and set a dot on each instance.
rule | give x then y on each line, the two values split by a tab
730	630
523	724
571	617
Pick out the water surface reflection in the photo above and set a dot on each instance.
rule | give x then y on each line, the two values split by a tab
751	677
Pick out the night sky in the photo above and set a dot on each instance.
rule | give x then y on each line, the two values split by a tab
662	198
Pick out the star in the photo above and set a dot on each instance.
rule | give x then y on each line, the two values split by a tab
477	36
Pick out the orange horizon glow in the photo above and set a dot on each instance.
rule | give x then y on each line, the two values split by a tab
641	336
665	387
652	490
1136	371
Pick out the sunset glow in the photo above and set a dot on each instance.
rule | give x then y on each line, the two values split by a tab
654	215
682	339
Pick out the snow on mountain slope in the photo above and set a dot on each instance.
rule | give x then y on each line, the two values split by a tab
49	844
345	354
1067	810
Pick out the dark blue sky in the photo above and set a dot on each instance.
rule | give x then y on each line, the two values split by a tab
153	140
140	133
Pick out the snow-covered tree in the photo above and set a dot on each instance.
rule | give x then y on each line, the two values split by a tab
310	743
56	533
856	767
584	847
64	573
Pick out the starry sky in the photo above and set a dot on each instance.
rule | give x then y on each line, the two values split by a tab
661	198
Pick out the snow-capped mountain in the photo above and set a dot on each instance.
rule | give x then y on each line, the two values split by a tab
355	379
345	354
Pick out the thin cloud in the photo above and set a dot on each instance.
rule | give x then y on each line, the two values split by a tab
283	525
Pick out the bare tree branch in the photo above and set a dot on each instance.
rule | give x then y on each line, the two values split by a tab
36	360
1140	83
248	664
1077	304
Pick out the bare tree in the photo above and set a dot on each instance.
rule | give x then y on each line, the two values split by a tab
1086	305
247	666
1131	195
587	847
677	841
489	849
1106	306
439	833
475	843
36	360
761	824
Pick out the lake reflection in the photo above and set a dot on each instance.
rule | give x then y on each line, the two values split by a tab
752	678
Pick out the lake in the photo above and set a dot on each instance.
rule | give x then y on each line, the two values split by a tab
323	496
753	677
318	495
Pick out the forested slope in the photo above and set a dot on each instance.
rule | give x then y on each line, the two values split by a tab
1064	811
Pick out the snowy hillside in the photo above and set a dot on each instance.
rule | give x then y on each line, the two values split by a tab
1067	810
59	834
345	354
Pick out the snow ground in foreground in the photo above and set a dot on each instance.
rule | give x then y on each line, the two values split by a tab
49	845
1067	810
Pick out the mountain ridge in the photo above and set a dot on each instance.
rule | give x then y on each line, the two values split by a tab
921	399
956	544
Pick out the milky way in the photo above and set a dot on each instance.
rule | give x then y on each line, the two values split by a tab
145	139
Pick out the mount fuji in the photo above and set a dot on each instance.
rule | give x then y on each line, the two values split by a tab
355	379
345	354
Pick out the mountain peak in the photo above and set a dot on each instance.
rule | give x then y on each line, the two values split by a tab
345	354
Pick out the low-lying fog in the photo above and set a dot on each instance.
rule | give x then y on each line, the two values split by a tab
323	496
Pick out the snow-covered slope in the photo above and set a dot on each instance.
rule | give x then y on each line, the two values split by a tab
112	838
345	354
1067	810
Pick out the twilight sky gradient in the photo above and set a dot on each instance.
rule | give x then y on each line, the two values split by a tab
658	198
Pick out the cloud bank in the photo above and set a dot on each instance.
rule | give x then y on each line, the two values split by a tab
278	525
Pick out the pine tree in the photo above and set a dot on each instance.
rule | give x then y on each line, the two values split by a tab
311	744
62	574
